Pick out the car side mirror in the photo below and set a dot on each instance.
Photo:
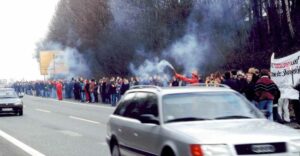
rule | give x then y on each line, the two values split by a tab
21	96
149	118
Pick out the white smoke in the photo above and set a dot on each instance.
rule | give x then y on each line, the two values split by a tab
213	29
188	52
151	68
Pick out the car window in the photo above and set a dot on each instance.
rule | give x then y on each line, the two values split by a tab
146	103
8	94
207	106
135	105
124	104
149	106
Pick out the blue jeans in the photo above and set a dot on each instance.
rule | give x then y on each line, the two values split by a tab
82	96
118	97
42	93
92	97
53	93
267	106
113	99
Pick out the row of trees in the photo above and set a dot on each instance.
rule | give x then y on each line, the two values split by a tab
111	34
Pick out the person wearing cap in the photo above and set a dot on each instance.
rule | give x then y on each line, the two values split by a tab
193	80
266	91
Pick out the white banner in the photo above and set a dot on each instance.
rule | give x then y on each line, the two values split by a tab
285	72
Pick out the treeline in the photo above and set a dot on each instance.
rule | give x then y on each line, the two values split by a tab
111	34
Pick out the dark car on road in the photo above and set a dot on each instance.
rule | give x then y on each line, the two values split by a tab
10	102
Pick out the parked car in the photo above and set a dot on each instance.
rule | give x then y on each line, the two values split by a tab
195	121
10	102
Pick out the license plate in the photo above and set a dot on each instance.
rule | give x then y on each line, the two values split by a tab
7	109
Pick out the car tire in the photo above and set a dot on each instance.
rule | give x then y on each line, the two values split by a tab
168	152
115	150
19	112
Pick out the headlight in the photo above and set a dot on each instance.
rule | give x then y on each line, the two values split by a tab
19	103
294	146
212	150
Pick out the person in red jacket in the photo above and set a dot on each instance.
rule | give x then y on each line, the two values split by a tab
59	88
193	80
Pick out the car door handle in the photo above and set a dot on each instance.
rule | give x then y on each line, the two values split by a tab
135	134
120	130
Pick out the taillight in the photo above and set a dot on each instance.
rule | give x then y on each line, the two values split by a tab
196	150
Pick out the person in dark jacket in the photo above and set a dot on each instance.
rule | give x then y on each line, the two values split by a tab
76	90
266	91
249	89
229	81
107	91
103	90
241	82
175	82
113	91
96	92
125	86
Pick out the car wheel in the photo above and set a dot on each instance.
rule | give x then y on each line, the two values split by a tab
168	152
115	150
19	112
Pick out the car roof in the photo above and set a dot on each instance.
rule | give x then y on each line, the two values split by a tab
182	89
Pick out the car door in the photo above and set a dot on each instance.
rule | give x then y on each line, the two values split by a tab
145	137
121	121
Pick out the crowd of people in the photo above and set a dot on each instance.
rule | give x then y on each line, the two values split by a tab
256	85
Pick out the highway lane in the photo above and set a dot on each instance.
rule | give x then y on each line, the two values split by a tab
60	128
6	148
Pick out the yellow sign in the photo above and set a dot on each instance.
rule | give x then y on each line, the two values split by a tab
46	57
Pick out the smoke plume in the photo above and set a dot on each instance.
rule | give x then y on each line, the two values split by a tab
213	30
152	67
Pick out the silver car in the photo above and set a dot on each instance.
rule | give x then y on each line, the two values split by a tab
195	121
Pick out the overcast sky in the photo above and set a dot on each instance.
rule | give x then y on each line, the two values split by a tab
23	23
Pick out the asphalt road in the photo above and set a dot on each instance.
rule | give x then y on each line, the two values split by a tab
55	128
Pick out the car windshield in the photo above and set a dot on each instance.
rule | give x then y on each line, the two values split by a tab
207	106
7	94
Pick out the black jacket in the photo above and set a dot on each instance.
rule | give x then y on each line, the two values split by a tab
249	91
232	84
124	88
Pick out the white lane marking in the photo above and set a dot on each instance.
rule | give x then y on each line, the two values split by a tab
75	103
43	110
70	133
86	120
21	145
